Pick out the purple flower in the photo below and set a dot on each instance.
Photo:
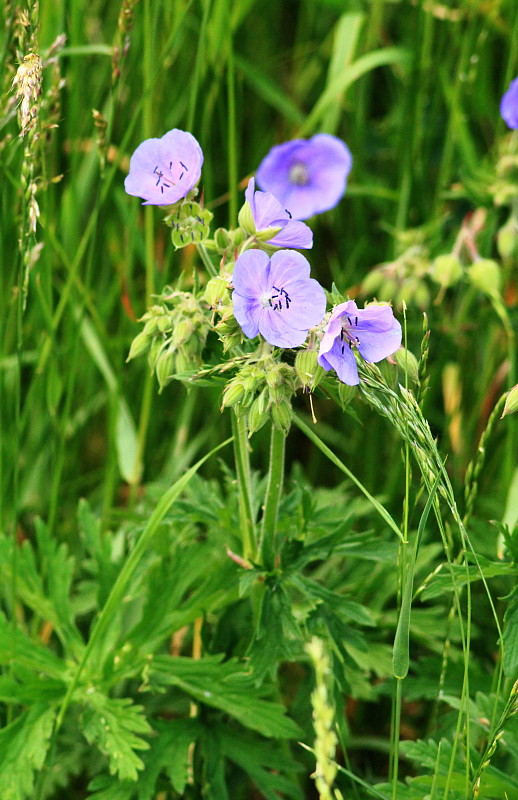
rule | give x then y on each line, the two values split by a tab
306	175
163	171
509	105
373	331
268	213
276	297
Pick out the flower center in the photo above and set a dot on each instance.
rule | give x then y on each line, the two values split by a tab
275	301
166	181
298	174
346	336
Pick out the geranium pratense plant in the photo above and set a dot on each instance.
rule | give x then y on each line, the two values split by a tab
509	105
373	331
163	171
307	176
263	215
276	297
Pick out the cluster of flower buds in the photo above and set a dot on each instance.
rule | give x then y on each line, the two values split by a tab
173	337
403	280
262	389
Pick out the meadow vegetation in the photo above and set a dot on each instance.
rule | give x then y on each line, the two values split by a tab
225	574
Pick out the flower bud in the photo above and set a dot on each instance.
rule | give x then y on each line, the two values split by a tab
164	367
511	402
446	270
154	350
162	324
182	331
258	412
216	291
506	239
233	393
307	368
222	239
245	219
485	275
282	414
407	362
139	345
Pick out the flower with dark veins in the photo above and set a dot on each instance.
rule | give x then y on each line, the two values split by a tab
509	105
269	216
163	171
276	297
307	176
373	331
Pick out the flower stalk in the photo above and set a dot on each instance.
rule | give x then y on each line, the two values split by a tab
268	543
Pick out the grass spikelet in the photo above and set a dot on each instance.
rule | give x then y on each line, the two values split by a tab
323	722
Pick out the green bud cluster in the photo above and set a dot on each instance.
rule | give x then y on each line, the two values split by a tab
446	270
262	389
403	280
173	337
505	188
189	223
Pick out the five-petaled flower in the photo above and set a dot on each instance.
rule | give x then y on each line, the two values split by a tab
276	297
373	331
163	171
268	216
509	105
306	175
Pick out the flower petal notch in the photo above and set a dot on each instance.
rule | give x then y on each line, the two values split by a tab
307	176
373	331
163	171
265	217
276	297
509	105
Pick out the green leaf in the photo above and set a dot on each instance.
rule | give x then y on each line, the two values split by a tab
16	647
23	748
112	725
364	64
168	755
510	636
260	760
226	687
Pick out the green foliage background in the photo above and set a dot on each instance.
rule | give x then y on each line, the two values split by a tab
138	659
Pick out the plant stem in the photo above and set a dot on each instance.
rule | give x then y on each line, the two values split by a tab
273	493
209	266
241	456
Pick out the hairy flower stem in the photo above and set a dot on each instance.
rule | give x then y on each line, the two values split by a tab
209	266
267	545
242	460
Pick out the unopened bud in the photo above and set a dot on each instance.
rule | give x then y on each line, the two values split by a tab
258	412
506	239
216	291
232	394
139	345
446	270
222	239
182	331
309	371
282	414
245	219
164	368
485	275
